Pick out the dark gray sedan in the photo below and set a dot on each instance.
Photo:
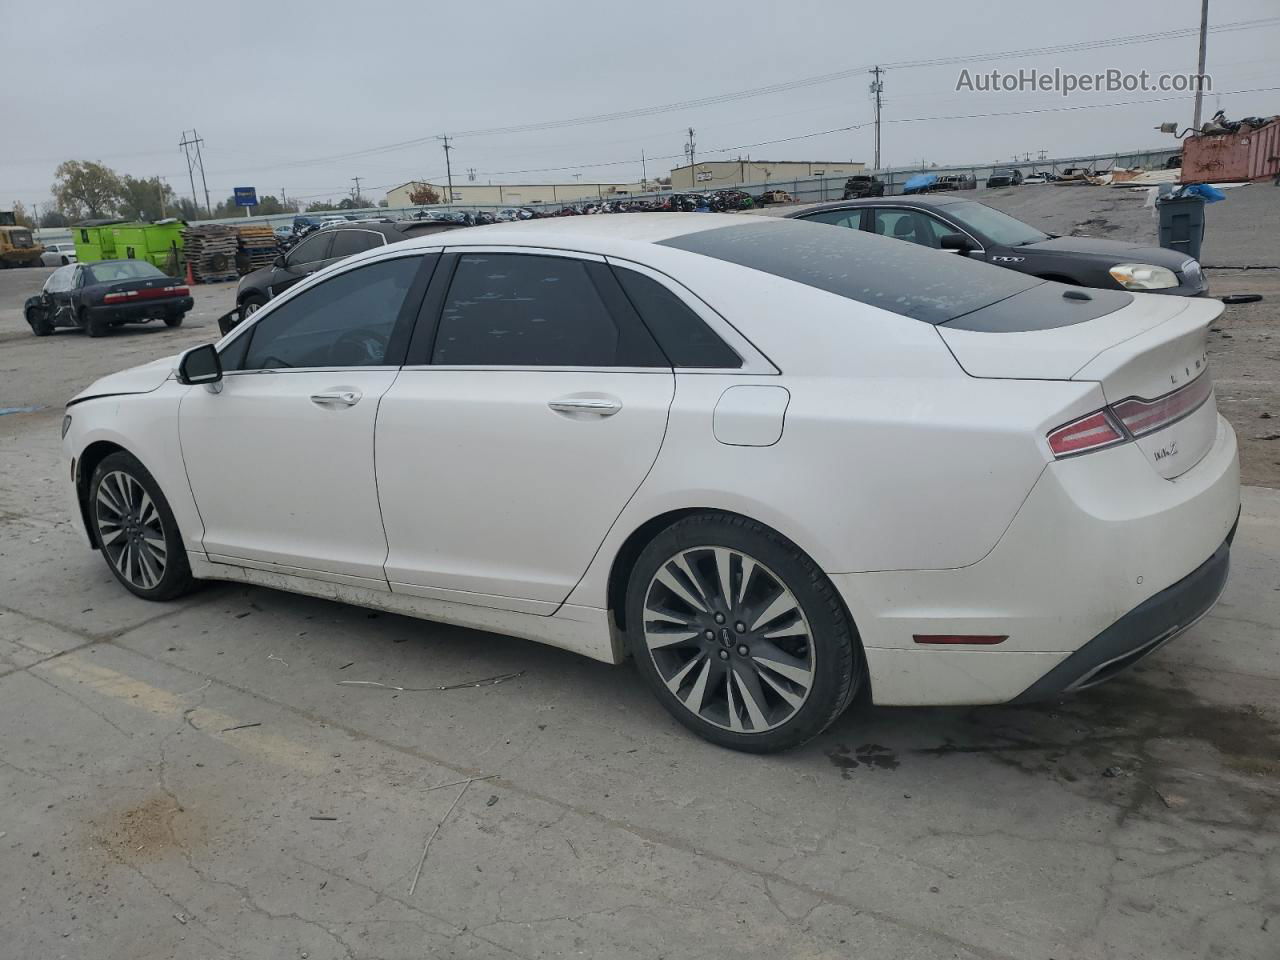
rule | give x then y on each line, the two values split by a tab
973	229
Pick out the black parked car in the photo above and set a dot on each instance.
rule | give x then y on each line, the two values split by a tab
984	233
318	250
1004	177
862	186
98	296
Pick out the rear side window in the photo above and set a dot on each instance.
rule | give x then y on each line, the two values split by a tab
684	337
510	309
347	242
903	278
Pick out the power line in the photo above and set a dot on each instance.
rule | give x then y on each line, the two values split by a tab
789	85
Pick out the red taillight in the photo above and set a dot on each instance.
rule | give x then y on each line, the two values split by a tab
1091	432
151	293
1141	417
1134	417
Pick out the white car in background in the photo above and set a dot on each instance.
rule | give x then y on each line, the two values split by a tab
58	254
777	463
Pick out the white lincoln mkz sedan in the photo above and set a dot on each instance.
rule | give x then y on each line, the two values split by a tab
778	463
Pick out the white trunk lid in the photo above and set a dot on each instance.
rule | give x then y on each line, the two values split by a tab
1146	349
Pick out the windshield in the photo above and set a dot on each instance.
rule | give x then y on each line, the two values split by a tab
110	271
999	227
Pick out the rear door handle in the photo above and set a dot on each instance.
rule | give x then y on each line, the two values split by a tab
347	398
591	406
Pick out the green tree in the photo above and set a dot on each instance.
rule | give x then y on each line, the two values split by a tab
21	217
147	200
422	195
320	206
53	218
84	189
355	203
184	208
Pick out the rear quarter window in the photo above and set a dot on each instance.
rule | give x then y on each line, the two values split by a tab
903	278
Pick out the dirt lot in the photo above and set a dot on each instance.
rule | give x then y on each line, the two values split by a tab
189	780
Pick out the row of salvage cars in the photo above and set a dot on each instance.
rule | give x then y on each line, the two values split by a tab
822	464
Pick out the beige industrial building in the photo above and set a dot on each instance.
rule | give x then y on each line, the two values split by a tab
518	194
717	174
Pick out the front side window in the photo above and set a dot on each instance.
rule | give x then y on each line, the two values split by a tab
312	249
999	226
510	309
346	321
59	281
837	218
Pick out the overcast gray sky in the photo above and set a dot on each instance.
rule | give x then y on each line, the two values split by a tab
283	92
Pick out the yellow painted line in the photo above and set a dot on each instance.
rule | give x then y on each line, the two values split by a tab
113	685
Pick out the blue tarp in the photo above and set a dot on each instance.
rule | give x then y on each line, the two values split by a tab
918	181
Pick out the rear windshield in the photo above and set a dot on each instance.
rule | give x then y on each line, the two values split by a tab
111	270
905	278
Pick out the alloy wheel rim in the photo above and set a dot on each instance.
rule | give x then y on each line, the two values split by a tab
130	530
729	639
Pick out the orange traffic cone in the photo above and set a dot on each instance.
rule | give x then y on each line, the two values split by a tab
191	277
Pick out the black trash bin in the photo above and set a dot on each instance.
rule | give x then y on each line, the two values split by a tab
1182	224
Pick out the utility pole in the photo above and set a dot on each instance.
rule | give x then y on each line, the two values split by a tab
1204	30
447	166
185	145
200	160
356	196
690	149
471	174
644	177
877	88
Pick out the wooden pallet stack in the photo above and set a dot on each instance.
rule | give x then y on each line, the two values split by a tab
258	246
210	250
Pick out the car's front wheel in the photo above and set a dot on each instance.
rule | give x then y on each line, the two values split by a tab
136	531
40	322
740	635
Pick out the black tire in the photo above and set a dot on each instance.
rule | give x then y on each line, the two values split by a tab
829	642
40	322
252	303
174	319
65	261
136	571
94	324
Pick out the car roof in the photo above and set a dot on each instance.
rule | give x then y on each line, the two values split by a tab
919	200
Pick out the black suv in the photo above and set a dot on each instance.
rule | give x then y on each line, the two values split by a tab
318	250
862	186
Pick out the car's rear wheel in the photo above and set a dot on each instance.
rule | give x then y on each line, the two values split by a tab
740	635
174	319
65	261
94	324
136	531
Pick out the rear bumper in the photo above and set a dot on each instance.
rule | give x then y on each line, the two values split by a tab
1100	545
1143	630
149	310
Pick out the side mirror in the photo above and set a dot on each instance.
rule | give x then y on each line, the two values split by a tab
278	261
200	365
954	241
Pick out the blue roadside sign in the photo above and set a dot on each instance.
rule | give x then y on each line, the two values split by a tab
246	196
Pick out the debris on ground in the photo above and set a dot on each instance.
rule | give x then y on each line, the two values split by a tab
272	656
427	846
485	682
1112	772
242	726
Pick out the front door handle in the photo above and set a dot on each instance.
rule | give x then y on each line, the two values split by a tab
586	406
347	398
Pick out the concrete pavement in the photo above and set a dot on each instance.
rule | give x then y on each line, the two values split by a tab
163	768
